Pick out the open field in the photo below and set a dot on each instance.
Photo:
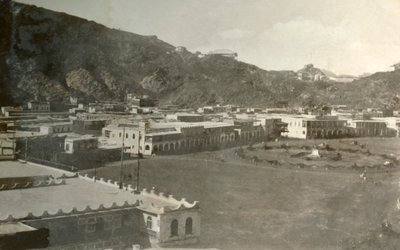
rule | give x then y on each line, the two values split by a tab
264	206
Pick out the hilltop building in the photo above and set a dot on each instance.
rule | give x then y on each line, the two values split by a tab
224	52
396	66
141	101
310	73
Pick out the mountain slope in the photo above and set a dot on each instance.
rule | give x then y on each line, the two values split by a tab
51	56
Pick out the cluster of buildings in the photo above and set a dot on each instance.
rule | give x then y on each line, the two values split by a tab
170	129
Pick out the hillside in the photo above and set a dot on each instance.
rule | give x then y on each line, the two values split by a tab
51	56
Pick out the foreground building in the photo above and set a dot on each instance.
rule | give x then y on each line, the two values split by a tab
70	211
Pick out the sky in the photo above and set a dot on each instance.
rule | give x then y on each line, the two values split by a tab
344	36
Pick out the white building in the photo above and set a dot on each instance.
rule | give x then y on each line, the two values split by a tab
51	128
76	144
392	123
168	137
306	127
38	106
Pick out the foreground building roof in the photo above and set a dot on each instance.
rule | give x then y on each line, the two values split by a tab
53	192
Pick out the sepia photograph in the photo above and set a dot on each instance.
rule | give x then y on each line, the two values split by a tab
200	124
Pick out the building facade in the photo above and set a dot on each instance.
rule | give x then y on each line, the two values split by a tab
53	128
79	144
315	128
38	106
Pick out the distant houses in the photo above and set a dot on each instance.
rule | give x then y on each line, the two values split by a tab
38	106
223	52
396	66
310	73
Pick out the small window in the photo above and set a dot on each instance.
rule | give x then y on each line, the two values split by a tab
120	134
174	228
126	135
189	226
91	225
133	135
149	222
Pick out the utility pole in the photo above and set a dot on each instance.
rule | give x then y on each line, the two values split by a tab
138	164
26	149
122	157
14	143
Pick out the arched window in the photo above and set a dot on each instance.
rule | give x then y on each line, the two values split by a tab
189	226
126	220
174	228
147	147
149	222
99	225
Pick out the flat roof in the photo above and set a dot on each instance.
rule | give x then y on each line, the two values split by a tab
163	133
19	169
205	124
55	124
187	114
79	138
368	121
244	120
76	192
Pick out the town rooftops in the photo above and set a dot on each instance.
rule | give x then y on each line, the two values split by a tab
71	193
51	124
369	121
174	132
206	124
244	120
79	138
188	114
